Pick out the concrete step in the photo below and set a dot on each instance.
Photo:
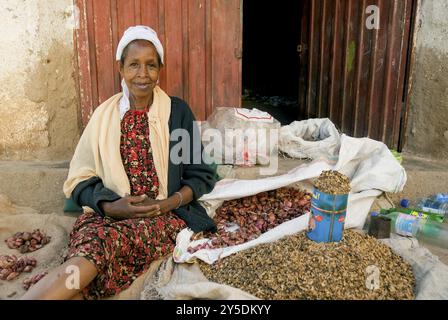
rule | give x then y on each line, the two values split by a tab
35	184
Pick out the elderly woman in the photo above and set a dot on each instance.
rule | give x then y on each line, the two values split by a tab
123	169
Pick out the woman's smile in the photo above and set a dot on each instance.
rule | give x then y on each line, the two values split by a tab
142	86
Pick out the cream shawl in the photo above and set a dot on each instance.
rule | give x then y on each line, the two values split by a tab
98	151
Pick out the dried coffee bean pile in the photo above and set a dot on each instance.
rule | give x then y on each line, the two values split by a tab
28	282
11	266
333	182
28	241
298	268
252	216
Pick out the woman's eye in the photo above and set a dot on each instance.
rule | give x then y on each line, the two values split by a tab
133	65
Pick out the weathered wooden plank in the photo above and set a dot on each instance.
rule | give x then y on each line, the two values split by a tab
226	53
197	57
326	57
400	118
353	26
150	17
185	51
393	55
208	61
124	12
173	47
115	39
376	109
314	53
238	54
84	75
92	51
103	48
161	35
138	12
126	15
335	96
364	56
150	14
304	58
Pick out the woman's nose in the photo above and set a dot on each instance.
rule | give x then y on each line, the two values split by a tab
143	72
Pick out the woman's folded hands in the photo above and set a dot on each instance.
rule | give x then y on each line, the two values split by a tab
132	207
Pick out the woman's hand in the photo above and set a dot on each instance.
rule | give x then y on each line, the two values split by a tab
131	207
164	205
172	202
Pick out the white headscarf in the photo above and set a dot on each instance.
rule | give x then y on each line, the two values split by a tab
139	33
131	34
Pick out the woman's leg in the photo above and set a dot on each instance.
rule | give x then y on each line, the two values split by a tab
64	282
78	296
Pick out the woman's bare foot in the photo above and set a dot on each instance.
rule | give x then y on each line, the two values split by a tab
64	282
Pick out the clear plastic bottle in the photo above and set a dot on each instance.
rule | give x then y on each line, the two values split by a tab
442	197
425	230
428	205
432	205
417	213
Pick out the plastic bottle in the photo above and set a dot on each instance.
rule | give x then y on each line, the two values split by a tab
442	197
417	213
425	230
433	205
428	205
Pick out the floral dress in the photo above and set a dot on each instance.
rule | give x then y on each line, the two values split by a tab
122	250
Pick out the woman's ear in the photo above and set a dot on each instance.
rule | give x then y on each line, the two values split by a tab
119	67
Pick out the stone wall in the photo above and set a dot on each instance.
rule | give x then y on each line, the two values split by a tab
38	100
427	133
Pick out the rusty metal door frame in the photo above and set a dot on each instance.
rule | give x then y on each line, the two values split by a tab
355	76
407	90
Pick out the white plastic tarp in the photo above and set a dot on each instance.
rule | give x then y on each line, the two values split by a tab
312	138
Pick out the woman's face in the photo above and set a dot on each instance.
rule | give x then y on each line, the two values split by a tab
141	69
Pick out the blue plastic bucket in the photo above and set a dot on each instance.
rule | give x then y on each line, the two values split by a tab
327	218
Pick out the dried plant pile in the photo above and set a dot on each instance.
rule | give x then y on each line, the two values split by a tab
298	268
30	281
252	216
333	182
11	266
28	241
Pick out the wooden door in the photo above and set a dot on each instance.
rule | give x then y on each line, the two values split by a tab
202	41
352	73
